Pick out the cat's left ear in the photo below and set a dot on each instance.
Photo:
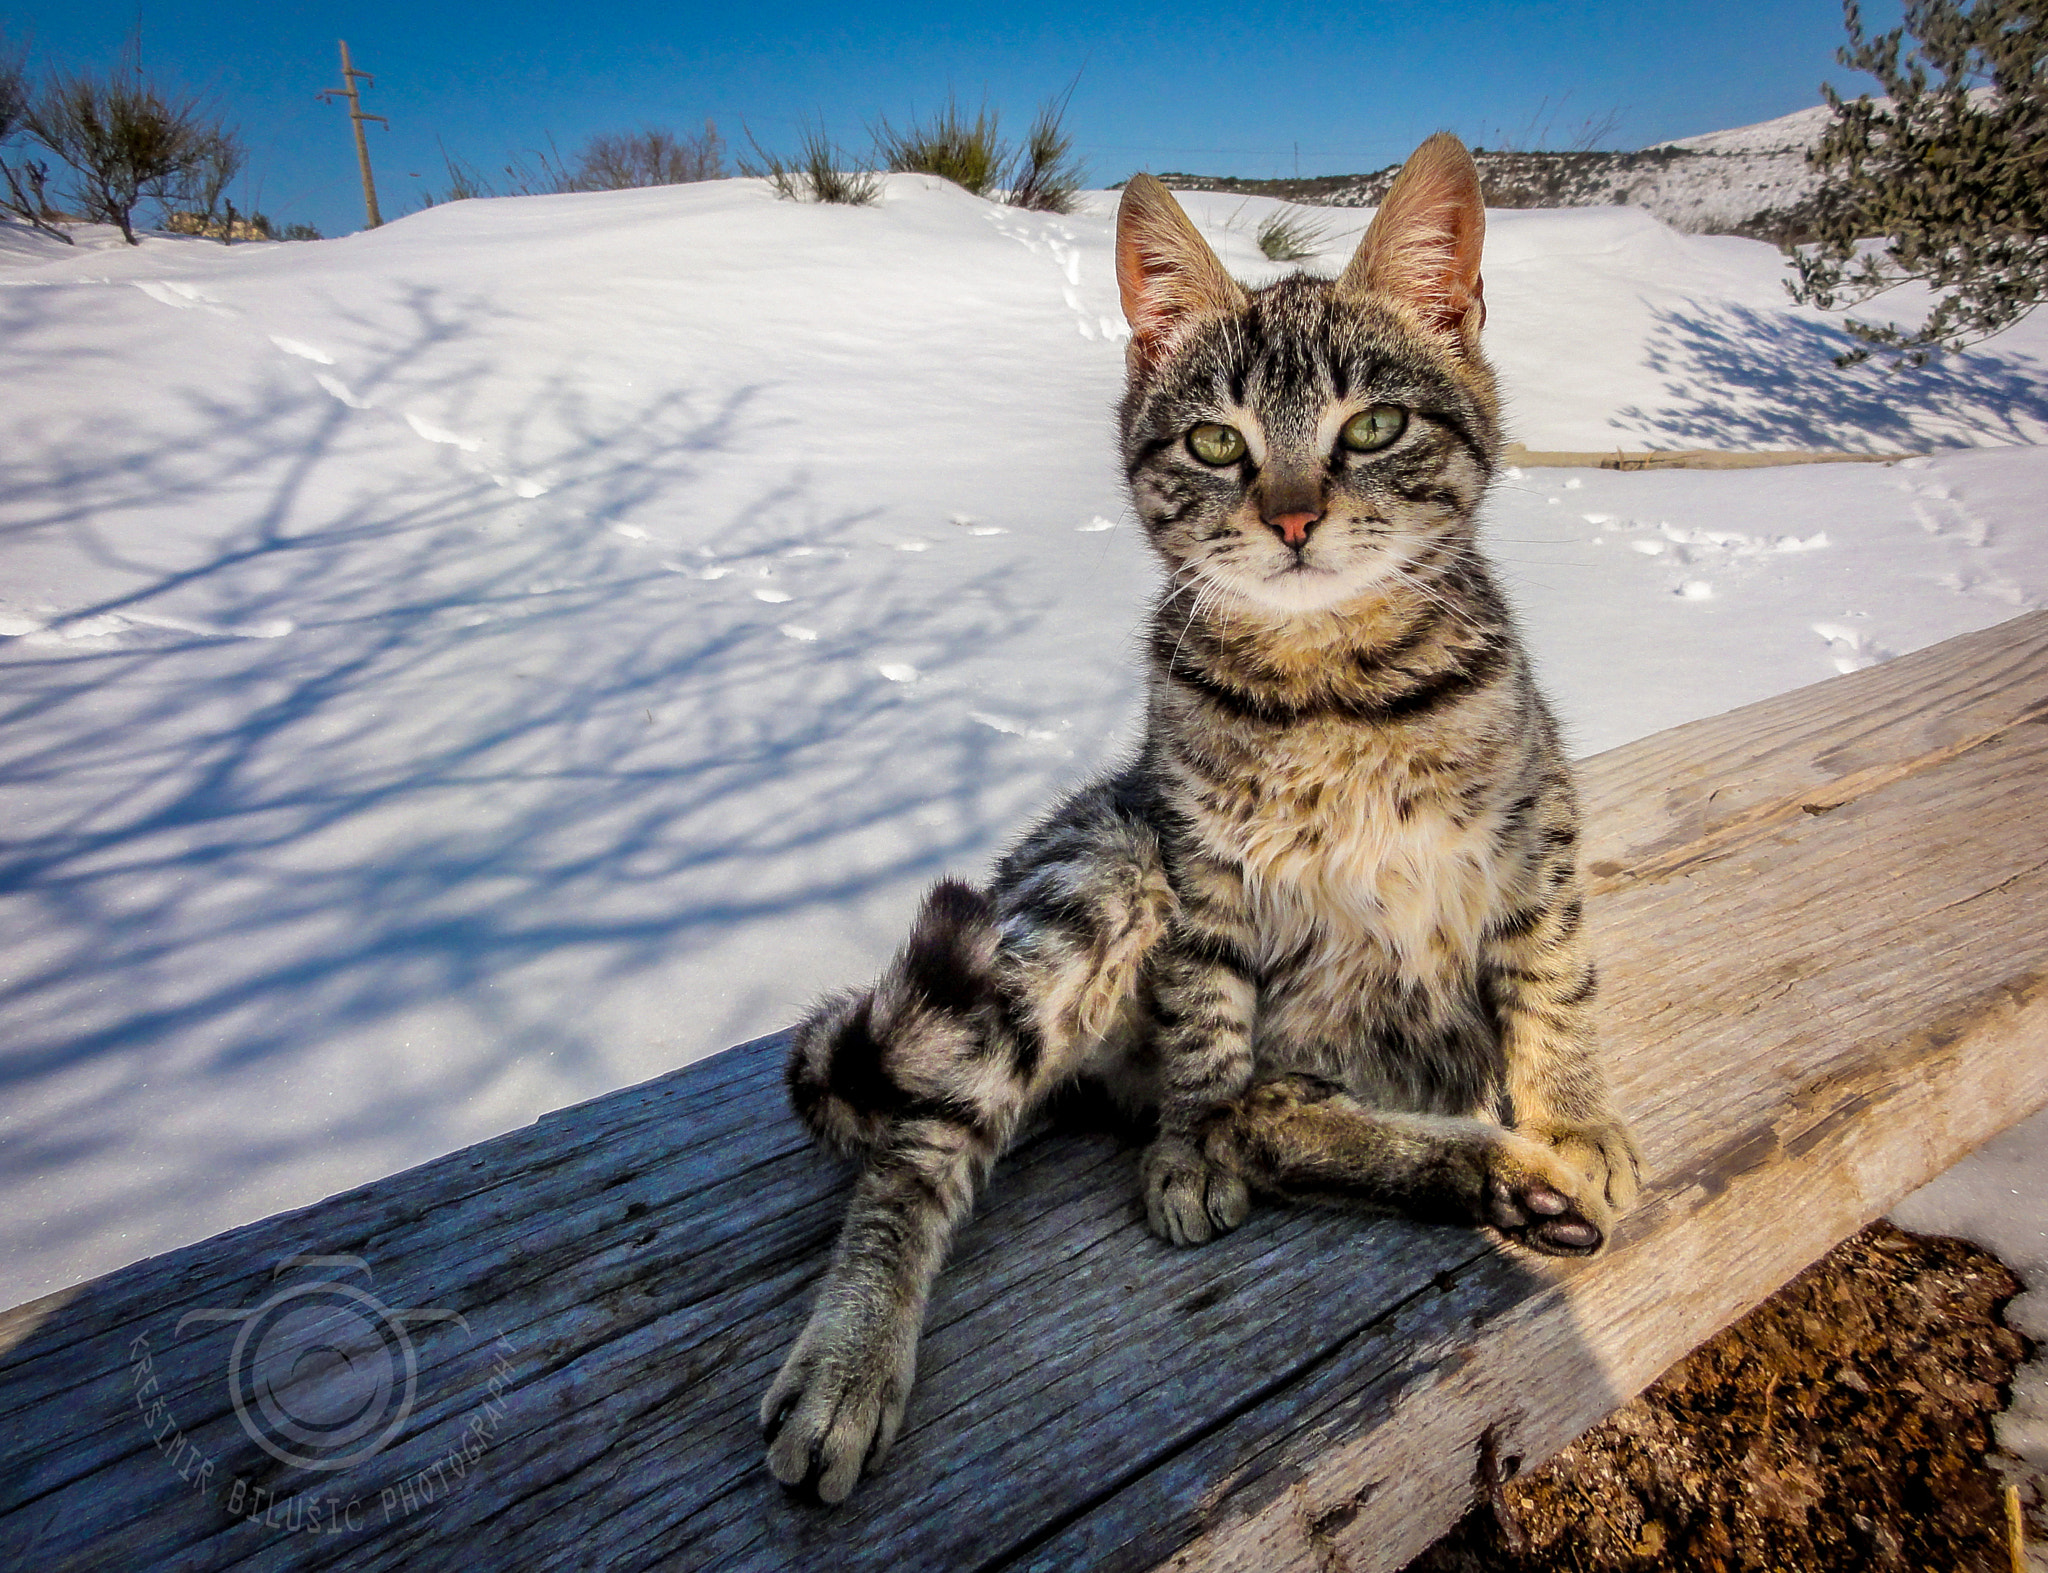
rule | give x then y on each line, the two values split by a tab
1422	247
1166	272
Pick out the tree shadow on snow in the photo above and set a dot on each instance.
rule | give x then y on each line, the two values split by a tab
1741	378
372	745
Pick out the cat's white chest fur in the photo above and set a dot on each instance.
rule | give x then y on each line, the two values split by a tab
1338	859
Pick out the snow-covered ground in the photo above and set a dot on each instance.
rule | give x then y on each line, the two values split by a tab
467	667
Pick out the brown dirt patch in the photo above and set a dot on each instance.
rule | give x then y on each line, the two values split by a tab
1842	1424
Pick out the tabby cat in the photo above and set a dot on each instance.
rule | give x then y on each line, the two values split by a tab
1325	926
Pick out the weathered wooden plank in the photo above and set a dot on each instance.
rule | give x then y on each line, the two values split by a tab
512	1231
1813	923
1678	796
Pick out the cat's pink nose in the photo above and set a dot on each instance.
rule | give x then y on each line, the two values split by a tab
1293	528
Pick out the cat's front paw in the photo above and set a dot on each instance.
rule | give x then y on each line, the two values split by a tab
834	1409
1603	1152
1533	1194
1188	1199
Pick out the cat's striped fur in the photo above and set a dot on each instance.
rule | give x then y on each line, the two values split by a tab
1325	925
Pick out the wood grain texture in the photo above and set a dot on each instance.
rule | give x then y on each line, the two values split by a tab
1825	978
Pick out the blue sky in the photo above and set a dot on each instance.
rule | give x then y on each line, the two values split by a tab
1256	88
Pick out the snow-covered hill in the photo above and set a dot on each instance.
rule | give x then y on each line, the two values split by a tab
460	669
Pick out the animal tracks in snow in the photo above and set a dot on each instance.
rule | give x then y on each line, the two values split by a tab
474	449
1696	549
1696	546
1948	518
1010	727
1057	241
1937	508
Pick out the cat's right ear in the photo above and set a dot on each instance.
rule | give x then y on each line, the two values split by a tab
1168	276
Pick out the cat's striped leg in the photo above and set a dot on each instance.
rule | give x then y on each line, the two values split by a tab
1538	973
1205	996
990	1006
919	1077
1305	1139
837	1403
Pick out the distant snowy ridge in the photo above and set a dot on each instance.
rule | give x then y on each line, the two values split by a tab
1793	133
1751	180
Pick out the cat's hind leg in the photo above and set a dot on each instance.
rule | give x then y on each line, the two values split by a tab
1305	1139
913	1076
993	1003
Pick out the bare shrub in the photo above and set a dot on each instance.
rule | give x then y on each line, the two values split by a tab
197	202
24	179
621	161
124	141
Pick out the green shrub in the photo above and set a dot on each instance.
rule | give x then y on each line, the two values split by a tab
971	154
1042	175
1952	172
1047	175
819	173
1292	237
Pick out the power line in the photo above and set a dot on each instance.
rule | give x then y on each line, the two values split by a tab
347	90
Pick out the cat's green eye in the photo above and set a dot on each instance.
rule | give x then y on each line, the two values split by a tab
1214	444
1374	428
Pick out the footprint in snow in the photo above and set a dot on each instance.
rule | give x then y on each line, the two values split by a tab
302	350
1851	649
1011	728
1993	587
335	388
433	433
185	297
519	485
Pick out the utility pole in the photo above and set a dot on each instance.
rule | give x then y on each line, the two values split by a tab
356	117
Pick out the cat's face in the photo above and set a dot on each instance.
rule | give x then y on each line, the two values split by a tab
1305	450
1320	441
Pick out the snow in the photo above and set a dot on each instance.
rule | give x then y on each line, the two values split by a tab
1793	133
464	668
1994	1198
